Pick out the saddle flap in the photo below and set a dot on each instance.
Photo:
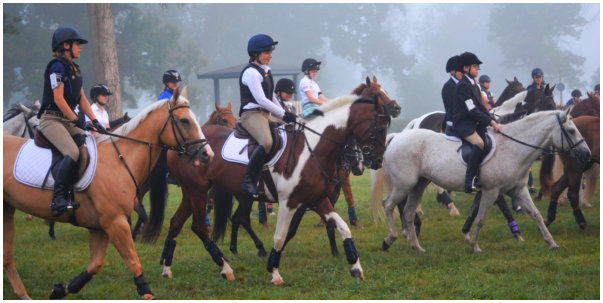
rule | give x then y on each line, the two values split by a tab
238	150
40	139
489	147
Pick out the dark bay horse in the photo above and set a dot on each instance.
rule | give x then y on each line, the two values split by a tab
513	88
588	126
109	199
220	116
226	181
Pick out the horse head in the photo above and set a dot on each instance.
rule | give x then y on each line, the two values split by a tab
223	116
569	139
370	130
539	100
184	132
373	89
513	88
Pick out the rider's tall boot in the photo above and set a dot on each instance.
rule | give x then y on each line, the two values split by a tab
67	175
471	176
256	162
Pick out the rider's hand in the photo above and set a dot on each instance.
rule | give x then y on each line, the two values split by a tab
80	123
99	127
289	117
495	126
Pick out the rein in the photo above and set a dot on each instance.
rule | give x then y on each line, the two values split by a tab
27	127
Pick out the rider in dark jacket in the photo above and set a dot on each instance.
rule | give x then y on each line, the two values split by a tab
470	117
448	92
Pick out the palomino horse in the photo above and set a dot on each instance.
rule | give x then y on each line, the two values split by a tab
108	201
300	176
572	171
220	116
20	120
194	184
416	157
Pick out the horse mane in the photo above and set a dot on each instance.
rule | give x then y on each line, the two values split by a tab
359	89
338	103
14	110
129	126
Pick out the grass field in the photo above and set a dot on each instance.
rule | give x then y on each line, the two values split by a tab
506	269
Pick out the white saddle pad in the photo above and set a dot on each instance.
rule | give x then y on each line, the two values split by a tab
235	149
486	158
33	162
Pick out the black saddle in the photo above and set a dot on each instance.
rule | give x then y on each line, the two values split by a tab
83	161
465	148
277	141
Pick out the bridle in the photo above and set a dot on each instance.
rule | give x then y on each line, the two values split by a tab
27	128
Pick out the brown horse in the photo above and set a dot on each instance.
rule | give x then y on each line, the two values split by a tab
513	88
572	171
587	107
108	201
194	184
220	116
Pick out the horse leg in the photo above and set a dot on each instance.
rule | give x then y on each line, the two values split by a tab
410	209
246	223
98	248
573	194
523	195
119	233
349	198
389	203
51	230
9	259
202	231
506	211
400	207
472	214
262	214
591	179
556	189
241	217
485	203
182	214
142	218
443	197
283	220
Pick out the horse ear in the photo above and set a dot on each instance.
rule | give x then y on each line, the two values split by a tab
515	79
374	79
175	96
37	104
508	82
368	81
217	107
184	92
552	88
24	109
566	113
229	105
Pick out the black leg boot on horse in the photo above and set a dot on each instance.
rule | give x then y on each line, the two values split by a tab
472	175
66	177
256	162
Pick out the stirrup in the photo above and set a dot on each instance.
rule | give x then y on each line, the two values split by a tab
58	211
475	184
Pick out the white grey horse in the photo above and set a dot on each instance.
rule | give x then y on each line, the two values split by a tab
416	157
20	119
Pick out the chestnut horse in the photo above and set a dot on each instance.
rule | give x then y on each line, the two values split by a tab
108	201
194	184
589	106
220	116
572	171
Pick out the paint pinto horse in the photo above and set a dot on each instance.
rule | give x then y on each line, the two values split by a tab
108	201
416	157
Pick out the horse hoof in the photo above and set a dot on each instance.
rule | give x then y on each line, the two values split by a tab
166	275
262	253
466	236
454	212
228	276
234	251
519	238
335	253
28	217
356	273
265	225
147	297
357	224
477	250
419	249
58	292
554	247
278	282
385	246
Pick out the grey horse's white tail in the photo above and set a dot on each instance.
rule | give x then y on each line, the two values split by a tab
379	178
591	179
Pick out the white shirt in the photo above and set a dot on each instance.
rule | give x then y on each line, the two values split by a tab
252	78
307	84
101	115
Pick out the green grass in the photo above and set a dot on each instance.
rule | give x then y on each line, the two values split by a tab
506	269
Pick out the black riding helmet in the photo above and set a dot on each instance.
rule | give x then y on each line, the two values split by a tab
468	58
310	64
452	64
99	89
260	43
285	85
537	72
576	93
171	76
484	79
66	34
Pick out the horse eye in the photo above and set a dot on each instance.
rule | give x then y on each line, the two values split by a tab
380	130
571	131
184	121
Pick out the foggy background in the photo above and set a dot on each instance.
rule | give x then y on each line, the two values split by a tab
405	45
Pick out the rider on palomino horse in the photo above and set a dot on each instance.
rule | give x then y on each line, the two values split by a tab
259	105
470	117
62	93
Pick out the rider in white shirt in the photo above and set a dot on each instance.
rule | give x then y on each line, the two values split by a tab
99	94
311	96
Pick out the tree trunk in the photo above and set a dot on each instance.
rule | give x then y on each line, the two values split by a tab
104	54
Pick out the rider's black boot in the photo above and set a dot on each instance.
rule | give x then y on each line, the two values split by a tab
471	177
256	162
66	177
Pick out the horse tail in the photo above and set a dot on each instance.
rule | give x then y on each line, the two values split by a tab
591	177
546	174
222	211
158	197
379	178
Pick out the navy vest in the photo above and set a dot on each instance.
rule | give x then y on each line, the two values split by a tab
71	89
267	86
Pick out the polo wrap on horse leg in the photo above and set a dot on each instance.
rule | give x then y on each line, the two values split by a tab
215	252
142	286
262	212
513	227
352	215
168	252
579	218
273	260
552	212
443	198
76	285
350	250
